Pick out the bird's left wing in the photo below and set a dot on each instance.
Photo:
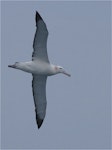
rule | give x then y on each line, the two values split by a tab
39	94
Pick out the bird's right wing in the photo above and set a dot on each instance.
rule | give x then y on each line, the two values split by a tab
40	40
39	94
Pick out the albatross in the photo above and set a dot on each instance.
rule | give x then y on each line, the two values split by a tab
40	68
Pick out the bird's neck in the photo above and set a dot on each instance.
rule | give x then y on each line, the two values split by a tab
54	69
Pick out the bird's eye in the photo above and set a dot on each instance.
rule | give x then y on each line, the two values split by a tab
60	68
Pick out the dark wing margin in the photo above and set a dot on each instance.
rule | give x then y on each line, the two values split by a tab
37	18
39	95
40	40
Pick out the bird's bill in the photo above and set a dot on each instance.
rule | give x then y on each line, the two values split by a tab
64	72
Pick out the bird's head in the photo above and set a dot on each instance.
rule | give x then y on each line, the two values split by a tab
59	69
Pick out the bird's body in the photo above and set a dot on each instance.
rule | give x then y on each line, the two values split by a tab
37	67
40	68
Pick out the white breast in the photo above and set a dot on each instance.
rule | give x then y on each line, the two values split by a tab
36	67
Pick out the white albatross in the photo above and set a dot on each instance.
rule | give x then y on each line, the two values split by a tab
40	69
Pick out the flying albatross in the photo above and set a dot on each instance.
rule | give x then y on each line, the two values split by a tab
40	67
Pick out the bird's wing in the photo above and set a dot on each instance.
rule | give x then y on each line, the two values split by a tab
40	40
39	94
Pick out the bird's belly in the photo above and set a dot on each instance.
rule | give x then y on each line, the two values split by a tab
38	68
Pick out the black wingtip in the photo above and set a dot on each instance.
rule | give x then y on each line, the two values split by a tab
38	120
37	17
39	123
